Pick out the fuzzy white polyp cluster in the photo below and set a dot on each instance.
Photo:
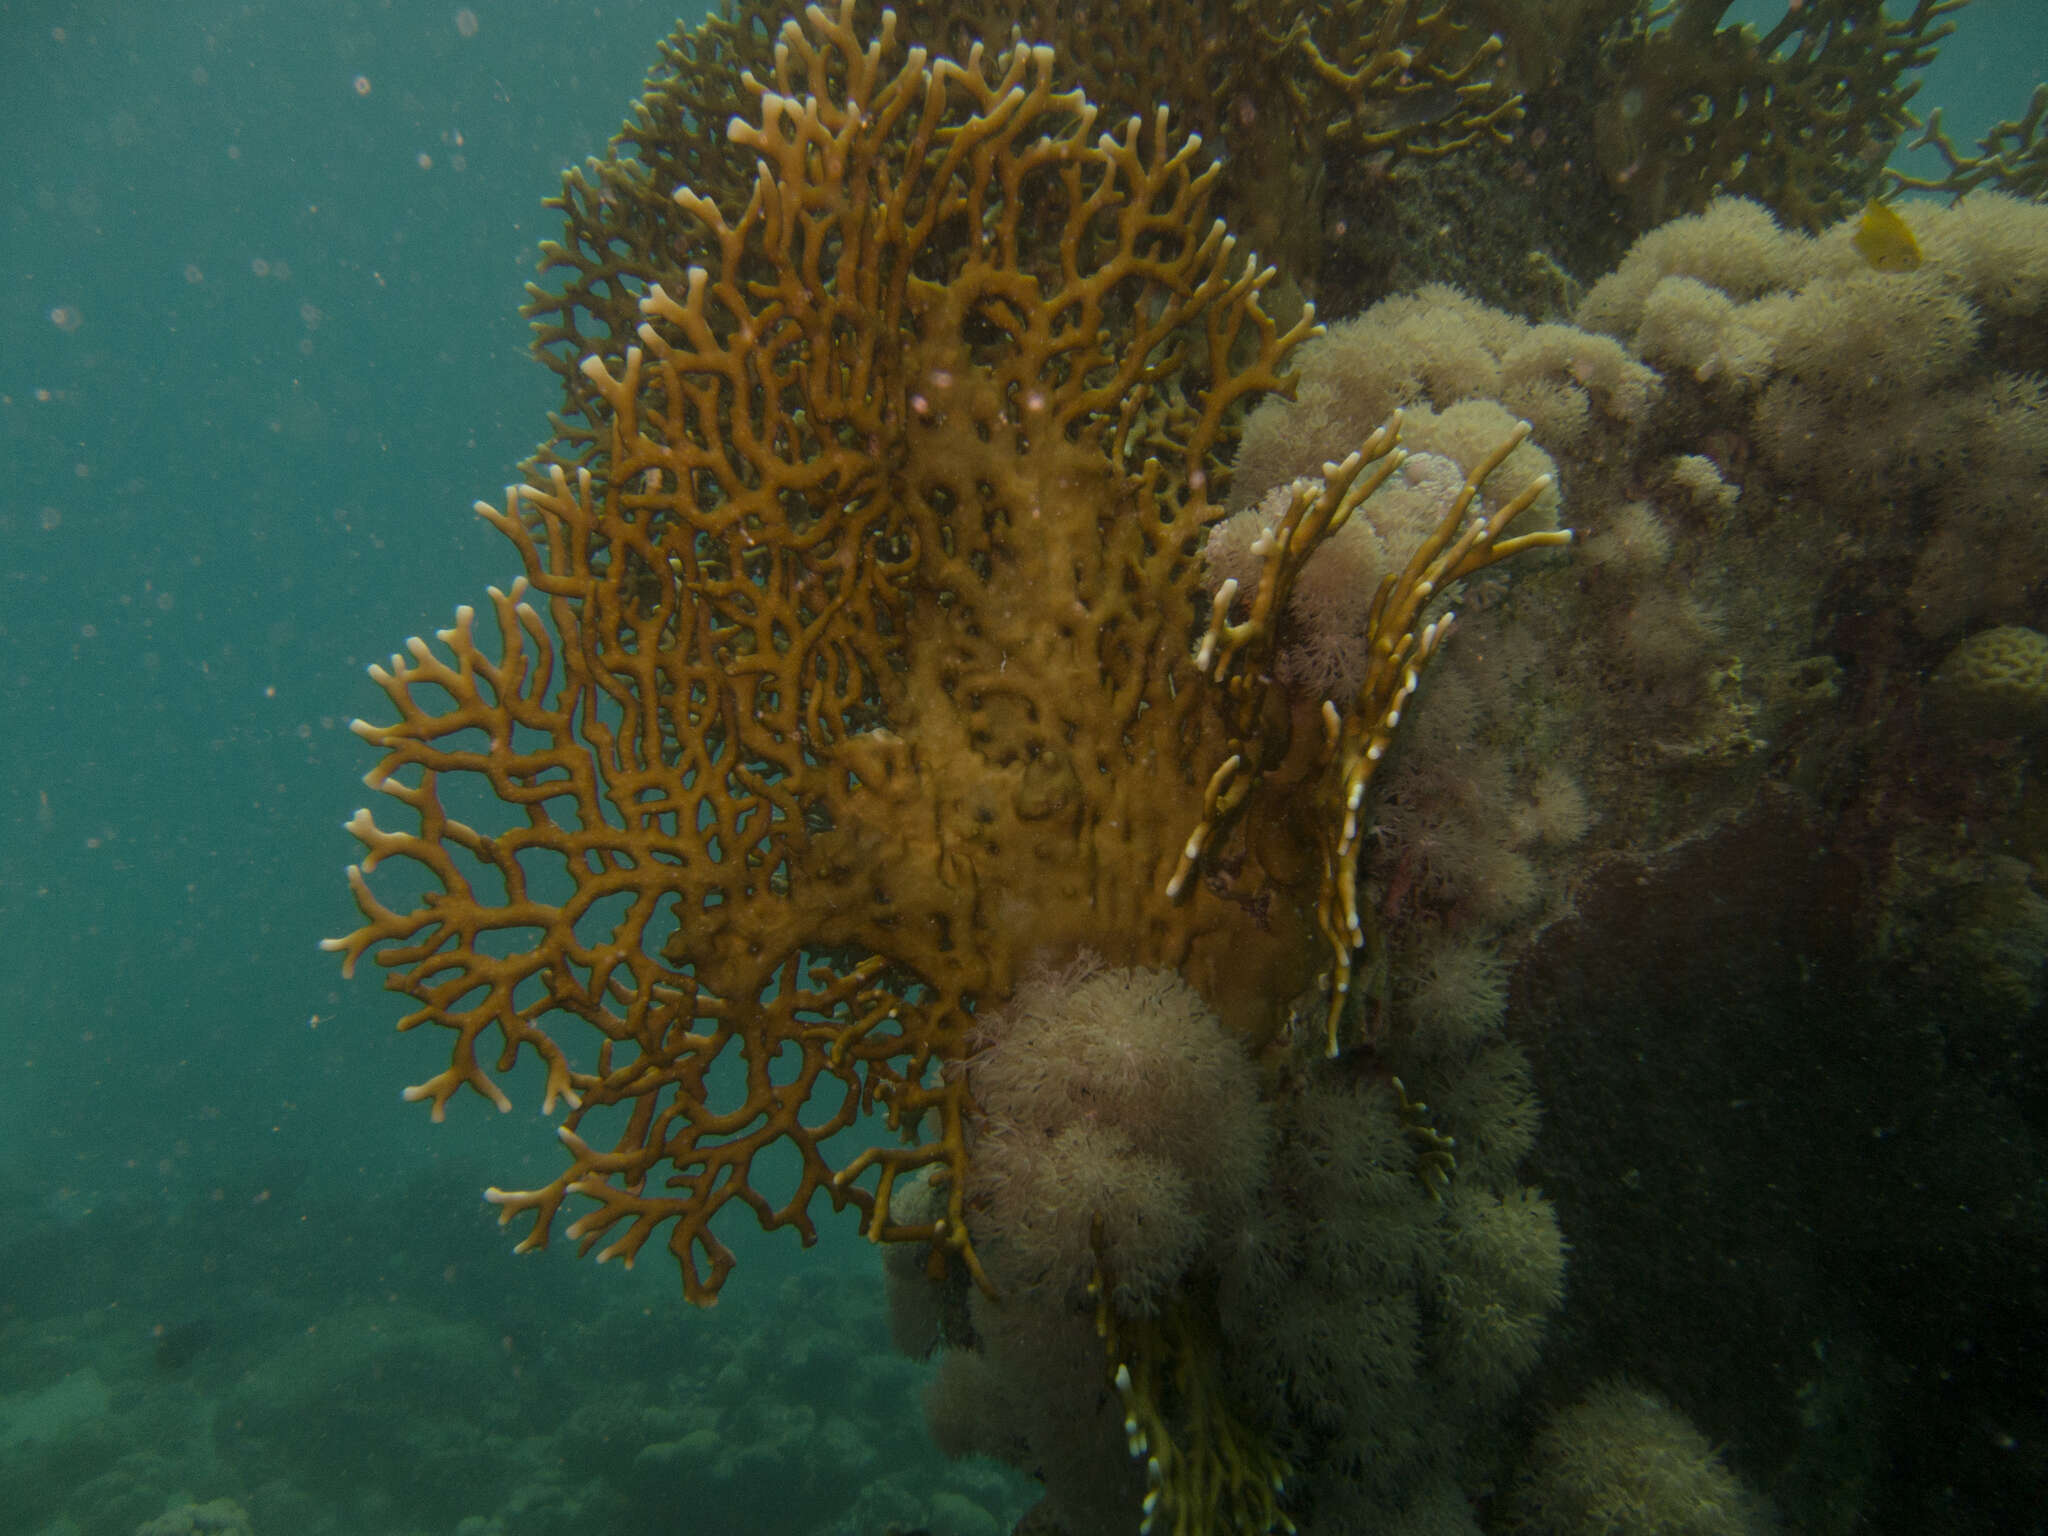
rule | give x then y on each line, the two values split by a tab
1119	1125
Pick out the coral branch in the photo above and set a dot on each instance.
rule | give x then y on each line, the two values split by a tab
1400	646
2011	157
1206	1470
1237	656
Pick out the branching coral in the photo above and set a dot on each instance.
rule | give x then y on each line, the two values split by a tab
1291	95
623	229
914	700
1283	94
1205	1468
1396	644
1800	116
869	569
2011	157
1402	77
859	673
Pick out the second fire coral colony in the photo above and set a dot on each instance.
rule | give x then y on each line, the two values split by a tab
1008	713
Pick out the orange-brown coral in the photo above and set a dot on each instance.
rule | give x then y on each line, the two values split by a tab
1284	95
1800	116
858	671
2011	157
1397	645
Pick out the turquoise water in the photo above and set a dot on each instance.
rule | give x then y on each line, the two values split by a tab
259	352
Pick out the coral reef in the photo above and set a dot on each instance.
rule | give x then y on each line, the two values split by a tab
1800	116
1868	390
1350	138
870	623
980	658
1353	1333
378	1381
1286	95
1381	1321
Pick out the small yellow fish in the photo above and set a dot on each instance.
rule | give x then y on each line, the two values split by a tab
1885	241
